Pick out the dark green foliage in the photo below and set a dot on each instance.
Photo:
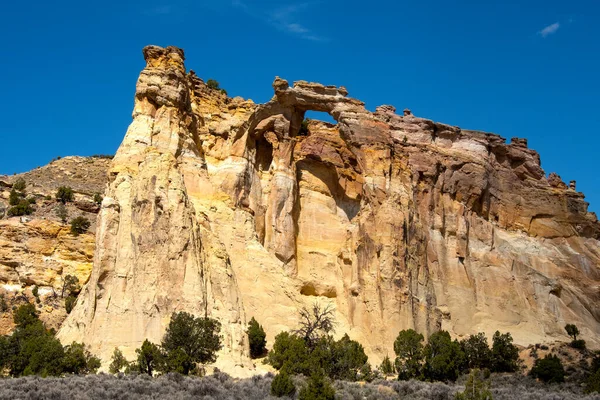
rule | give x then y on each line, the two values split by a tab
97	198
505	355
25	316
149	358
572	330
578	344
304	127
282	385
31	200
70	303
291	352
35	291
344	359
317	388
476	387
386	367
22	208
548	369
443	358
79	225
15	197
78	360
593	381
61	212
211	83
223	91
190	340
70	286
64	194
257	338
19	185
106	156
408	347
118	362
477	351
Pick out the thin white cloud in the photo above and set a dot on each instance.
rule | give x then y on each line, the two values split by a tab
284	18
549	30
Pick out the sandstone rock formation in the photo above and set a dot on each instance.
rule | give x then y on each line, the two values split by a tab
39	250
223	207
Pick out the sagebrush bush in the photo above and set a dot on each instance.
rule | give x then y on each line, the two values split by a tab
64	194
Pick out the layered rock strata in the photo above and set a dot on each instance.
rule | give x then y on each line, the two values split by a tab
226	208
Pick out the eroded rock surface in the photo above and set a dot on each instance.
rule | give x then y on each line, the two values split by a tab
229	208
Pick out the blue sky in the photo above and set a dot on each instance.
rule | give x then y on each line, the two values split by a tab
516	68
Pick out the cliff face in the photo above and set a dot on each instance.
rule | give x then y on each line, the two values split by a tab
38	250
225	207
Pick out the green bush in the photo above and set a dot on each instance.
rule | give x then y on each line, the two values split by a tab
35	291
304	127
190	340
318	388
211	83
118	362
578	344
3	304
98	198
70	303
70	286
257	338
505	355
64	194
79	225
282	385
290	351
386	367
78	360
477	351
23	208
444	358
14	197
149	358
476	388
408	347
19	185
548	369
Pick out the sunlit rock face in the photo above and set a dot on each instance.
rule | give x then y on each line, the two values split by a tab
223	207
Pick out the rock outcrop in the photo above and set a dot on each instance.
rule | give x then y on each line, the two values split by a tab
223	207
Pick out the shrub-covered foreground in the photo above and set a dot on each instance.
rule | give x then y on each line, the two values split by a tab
222	387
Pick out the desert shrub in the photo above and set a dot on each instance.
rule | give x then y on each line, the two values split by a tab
79	225
444	358
282	385
386	367
344	359
70	286
289	351
61	212
19	185
106	156
78	360
213	84
548	369
14	197
64	194
149	358
476	387
592	383
190	340
31	200
118	362
505	355
477	351
317	388
70	303
257	338
408	347
35	291
98	198
22	208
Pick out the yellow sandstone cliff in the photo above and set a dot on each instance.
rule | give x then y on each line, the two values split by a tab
225	207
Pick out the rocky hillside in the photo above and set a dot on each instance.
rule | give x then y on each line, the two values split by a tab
222	206
38	250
